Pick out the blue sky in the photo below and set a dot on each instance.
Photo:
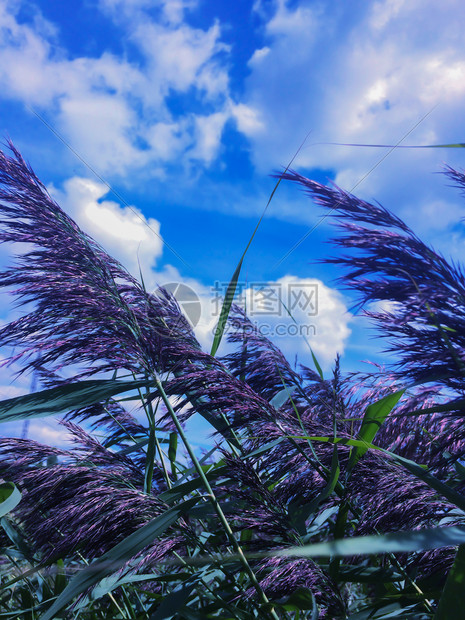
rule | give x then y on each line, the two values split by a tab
185	107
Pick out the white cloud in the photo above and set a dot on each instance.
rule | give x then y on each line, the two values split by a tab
208	130
112	110
258	56
321	318
364	73
50	432
172	10
183	57
123	231
247	119
298	21
383	12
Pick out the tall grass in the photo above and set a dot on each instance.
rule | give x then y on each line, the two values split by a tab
337	497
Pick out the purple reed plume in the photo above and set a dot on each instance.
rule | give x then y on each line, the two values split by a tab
425	323
87	309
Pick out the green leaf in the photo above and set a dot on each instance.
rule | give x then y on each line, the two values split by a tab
180	488
374	417
109	584
173	603
60	579
452	602
133	447
262	449
9	497
173	446
458	145
58	400
395	542
281	397
150	460
16	537
226	307
455	405
317	365
231	290
301	598
113	559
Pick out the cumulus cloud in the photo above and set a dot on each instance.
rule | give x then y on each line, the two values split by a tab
123	231
320	318
115	110
247	119
372	73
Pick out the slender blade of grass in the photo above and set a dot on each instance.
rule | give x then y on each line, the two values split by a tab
452	602
231	290
458	145
58	400
374	417
394	542
150	460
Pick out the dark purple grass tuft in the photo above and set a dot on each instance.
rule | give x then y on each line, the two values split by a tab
88	310
389	263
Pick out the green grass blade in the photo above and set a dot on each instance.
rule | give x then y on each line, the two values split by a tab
368	574
264	449
395	542
452	602
173	447
107	585
456	405
10	497
58	400
374	417
226	307
231	290
173	603
150	459
458	145
317	365
133	448
113	559
172	453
